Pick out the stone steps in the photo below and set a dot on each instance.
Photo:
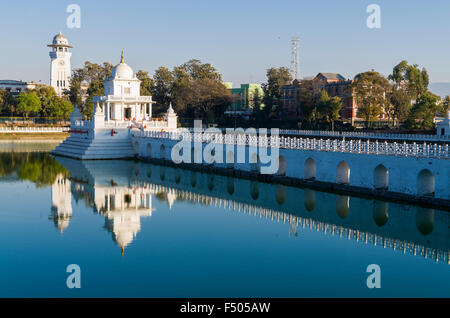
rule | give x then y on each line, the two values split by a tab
81	148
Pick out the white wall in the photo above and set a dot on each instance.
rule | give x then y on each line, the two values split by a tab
403	171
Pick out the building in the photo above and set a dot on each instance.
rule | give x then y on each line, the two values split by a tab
333	83
244	98
343	90
443	127
290	106
17	87
60	69
107	134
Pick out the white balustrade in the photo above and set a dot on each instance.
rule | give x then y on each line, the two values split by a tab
349	146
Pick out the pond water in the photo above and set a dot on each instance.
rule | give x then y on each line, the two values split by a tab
141	230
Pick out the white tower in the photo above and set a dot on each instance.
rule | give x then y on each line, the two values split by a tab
60	71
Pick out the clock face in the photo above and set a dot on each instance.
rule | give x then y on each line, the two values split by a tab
61	62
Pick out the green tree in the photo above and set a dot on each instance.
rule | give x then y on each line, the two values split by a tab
91	75
423	111
445	106
410	78
276	79
163	79
371	90
59	108
328	107
400	105
28	103
207	98
45	94
8	103
307	100
147	83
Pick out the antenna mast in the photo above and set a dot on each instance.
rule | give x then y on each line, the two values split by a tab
295	71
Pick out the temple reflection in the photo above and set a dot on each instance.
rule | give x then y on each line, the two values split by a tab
61	211
122	192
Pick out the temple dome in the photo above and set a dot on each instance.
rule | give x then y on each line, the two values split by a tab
122	70
60	39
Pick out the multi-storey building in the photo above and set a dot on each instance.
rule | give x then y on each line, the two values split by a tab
244	98
16	87
333	83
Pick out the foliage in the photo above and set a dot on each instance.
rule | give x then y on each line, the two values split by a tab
40	168
328	107
28	103
445	106
8	103
276	79
423	112
371	91
410	78
206	98
147	83
163	79
307	100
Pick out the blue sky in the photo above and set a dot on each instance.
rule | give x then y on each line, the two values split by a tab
240	38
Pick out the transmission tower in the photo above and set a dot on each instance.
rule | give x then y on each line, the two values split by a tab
295	71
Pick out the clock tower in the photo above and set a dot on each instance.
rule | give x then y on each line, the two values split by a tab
60	71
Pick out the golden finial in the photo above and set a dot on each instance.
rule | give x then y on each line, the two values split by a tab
123	249
122	59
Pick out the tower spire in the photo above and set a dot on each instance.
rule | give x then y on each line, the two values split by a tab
122	59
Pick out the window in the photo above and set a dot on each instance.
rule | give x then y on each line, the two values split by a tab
127	90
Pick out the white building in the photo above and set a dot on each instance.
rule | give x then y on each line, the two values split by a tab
123	100
107	134
60	70
17	87
443	127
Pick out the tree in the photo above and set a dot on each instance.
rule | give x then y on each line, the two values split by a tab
93	75
147	83
45	94
445	106
371	90
276	79
7	103
59	107
163	79
328	107
409	82
28	103
207	98
307	100
400	105
424	110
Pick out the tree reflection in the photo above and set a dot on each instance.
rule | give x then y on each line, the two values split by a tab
40	168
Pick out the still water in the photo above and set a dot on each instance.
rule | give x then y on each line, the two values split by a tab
142	230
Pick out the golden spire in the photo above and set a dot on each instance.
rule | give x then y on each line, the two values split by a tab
123	249
122	59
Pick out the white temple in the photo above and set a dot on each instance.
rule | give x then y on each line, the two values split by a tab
107	134
443	127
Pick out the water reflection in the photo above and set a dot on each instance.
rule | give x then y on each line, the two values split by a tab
122	192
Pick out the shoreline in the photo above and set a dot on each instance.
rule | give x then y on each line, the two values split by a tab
35	137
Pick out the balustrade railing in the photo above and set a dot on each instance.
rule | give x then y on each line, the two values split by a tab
351	134
33	129
427	150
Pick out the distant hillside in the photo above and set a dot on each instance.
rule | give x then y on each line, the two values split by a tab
440	88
